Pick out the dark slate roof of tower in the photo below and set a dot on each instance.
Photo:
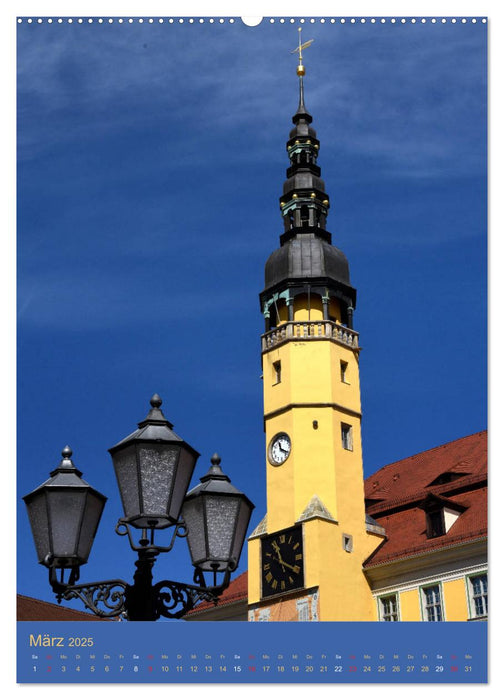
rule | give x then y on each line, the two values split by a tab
306	256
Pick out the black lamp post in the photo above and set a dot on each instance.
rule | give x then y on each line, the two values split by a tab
153	467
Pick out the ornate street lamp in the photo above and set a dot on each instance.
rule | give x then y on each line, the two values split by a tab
153	468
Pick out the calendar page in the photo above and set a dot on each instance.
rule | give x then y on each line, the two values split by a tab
252	349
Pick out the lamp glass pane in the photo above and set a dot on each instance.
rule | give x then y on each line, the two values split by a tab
241	529
65	513
187	462
157	469
193	514
125	465
37	512
92	515
222	512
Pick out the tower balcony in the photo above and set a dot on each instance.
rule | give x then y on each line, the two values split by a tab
310	330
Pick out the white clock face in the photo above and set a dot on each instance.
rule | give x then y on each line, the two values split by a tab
279	449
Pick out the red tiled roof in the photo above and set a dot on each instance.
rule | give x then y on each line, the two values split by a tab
467	455
403	486
31	609
238	590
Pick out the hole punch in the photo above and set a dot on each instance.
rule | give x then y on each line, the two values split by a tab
252	21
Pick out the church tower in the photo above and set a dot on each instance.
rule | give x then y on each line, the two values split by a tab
306	555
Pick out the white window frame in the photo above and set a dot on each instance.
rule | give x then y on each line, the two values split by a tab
427	606
388	616
473	614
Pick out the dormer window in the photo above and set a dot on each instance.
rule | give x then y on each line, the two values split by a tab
440	520
447	477
440	515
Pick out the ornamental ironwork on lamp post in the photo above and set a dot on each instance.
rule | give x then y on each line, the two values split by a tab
153	467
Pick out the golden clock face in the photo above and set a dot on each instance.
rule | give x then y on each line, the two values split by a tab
282	562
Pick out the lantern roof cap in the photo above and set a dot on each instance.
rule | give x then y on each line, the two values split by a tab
215	481
215	471
65	475
153	428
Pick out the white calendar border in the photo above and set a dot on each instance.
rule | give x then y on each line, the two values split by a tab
294	8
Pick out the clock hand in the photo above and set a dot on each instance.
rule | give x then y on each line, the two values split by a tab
281	562
295	569
284	564
276	547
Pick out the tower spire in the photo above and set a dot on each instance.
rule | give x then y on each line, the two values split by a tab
301	111
306	264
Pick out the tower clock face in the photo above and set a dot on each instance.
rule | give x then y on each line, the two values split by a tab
279	449
282	565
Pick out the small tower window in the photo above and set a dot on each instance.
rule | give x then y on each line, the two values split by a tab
347	543
343	371
277	372
346	436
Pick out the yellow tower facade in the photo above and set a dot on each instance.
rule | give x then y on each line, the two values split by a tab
306	556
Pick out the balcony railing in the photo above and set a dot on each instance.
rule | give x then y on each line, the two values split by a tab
310	330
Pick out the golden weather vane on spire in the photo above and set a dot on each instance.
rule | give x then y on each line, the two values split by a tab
299	50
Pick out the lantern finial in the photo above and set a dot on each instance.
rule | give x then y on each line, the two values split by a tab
215	471
66	465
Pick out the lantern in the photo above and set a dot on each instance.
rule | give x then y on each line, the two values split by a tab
64	514
153	467
217	516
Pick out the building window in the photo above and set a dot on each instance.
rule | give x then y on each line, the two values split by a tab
347	543
388	608
343	371
303	610
277	372
346	436
431	603
478	586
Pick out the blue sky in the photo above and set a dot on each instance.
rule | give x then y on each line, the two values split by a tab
150	162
